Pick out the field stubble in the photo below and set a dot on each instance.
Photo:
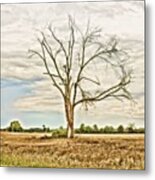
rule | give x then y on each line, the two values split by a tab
105	152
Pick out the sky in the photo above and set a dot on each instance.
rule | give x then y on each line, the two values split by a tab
28	95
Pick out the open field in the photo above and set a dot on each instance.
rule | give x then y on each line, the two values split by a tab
84	151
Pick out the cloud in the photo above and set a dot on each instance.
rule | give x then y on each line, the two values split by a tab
43	97
19	24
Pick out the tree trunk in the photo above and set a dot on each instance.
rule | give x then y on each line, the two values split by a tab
70	119
70	130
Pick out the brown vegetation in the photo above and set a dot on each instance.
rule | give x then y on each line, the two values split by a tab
103	151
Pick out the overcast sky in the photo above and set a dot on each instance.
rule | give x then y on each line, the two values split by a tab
28	95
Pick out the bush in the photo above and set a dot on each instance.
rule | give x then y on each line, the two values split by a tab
45	129
131	128
109	129
101	130
59	133
15	126
95	128
120	129
82	128
140	130
88	129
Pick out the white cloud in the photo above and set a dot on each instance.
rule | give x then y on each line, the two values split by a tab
19	24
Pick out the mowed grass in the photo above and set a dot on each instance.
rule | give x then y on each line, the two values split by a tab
106	152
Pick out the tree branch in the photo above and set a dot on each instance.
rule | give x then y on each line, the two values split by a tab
64	77
88	38
107	93
54	75
71	43
89	79
49	51
43	57
60	44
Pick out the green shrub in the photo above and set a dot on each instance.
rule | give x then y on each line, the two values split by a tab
95	128
59	133
131	128
15	126
88	129
120	129
109	129
82	128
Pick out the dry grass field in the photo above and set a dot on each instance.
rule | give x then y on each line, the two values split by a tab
103	151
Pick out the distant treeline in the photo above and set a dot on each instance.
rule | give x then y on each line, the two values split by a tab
15	126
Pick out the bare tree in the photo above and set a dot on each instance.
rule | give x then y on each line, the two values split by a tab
68	75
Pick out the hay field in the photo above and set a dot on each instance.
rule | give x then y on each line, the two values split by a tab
84	151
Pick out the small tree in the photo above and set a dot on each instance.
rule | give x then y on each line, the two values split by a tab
88	129
101	130
120	129
131	128
108	129
66	62
15	126
82	128
44	128
61	128
95	128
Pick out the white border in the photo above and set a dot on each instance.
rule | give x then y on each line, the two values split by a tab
76	174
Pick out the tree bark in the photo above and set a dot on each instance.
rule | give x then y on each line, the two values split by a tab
70	130
70	119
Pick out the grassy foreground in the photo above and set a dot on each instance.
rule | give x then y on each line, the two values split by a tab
104	151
